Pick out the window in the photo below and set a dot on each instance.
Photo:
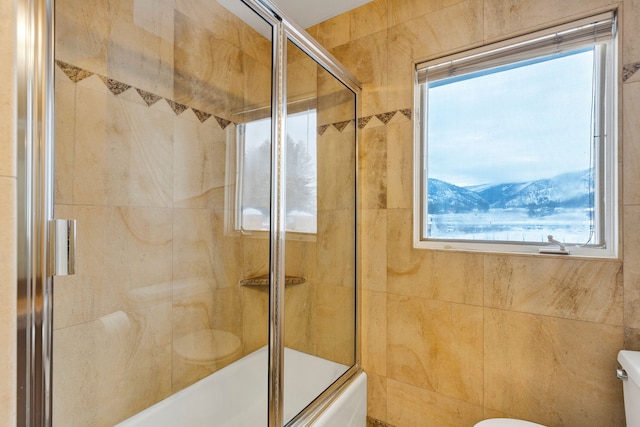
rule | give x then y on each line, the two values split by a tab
253	177
516	147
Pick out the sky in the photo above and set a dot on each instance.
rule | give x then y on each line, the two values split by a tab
512	126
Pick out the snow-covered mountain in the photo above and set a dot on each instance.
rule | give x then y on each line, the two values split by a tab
540	197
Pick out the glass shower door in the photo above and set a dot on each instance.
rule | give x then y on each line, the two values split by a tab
320	287
150	95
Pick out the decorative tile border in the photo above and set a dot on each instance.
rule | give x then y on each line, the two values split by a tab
374	422
629	70
77	74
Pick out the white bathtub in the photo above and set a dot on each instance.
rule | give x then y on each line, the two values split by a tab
236	396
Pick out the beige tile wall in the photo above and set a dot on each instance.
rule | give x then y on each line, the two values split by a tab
7	214
451	338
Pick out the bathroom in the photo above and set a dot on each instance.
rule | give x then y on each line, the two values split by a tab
540	334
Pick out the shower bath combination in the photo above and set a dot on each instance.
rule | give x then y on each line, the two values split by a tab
207	154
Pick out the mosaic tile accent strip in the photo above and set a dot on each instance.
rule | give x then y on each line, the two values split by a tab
629	70
177	107
322	129
148	97
341	125
76	74
201	115
386	117
114	86
406	112
374	422
362	121
223	122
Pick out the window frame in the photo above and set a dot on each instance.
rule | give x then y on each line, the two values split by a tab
506	52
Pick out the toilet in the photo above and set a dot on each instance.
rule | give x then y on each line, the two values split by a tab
630	376
506	422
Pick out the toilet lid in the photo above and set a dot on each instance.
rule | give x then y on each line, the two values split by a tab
506	422
207	345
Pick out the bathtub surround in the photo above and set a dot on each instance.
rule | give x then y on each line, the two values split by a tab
451	338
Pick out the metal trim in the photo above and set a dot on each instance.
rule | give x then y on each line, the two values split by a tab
277	230
35	208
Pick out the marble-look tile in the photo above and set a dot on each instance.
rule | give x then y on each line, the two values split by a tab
405	10
336	248
109	369
256	95
444	30
376	396
65	124
408	405
135	273
8	315
631	144
133	361
436	346
552	371
125	150
199	164
298	305
445	276
503	18
74	295
589	290
630	46
632	339
372	168
631	273
368	19
336	163
123	261
333	323
8	90
374	332
74	394
213	18
373	249
198	81
332	32
202	253
255	317
400	165
335	102
302	76
114	39
300	258
366	58
194	315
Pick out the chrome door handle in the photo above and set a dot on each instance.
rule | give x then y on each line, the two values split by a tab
63	246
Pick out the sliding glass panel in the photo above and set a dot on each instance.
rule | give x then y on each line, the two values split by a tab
152	98
320	245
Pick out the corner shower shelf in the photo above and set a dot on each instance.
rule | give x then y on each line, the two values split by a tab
264	280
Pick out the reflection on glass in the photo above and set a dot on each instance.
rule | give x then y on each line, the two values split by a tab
301	195
148	98
320	170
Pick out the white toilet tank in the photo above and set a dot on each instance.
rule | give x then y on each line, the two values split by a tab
630	363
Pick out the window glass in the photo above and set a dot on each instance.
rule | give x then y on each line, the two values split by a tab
519	151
